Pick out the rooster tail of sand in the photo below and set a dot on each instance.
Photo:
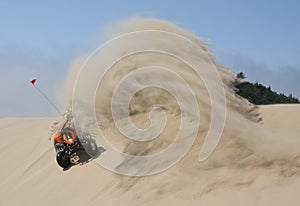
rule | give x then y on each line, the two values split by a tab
246	149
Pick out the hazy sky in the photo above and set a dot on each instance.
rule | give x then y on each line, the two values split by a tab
40	38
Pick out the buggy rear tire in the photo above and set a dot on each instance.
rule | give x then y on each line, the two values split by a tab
91	149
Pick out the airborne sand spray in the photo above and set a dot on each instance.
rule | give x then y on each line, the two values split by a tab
242	144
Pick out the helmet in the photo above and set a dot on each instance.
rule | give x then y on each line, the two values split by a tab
69	137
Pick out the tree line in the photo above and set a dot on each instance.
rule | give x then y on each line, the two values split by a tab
259	94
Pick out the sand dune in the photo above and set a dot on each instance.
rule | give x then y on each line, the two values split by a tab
30	176
281	118
256	162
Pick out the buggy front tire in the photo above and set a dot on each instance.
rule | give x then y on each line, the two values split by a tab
63	159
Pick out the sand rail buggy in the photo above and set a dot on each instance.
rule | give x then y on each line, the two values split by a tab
70	149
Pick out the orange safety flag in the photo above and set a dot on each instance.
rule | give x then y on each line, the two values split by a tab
33	81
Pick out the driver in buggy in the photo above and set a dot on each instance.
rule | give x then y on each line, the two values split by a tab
66	135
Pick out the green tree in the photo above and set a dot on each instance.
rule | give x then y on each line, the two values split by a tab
257	93
241	75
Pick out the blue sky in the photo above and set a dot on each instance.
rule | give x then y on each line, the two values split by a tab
41	38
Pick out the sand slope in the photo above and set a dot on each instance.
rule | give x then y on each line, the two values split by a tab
281	118
30	176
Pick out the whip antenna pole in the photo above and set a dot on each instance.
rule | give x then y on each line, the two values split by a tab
33	81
